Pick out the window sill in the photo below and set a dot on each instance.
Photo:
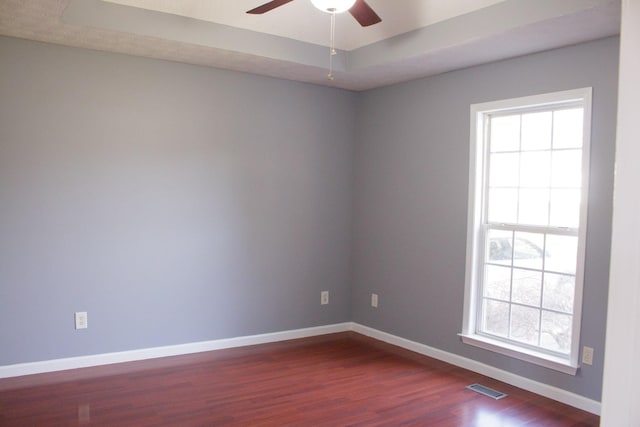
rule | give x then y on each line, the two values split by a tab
537	358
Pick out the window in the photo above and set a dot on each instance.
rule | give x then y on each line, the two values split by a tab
527	223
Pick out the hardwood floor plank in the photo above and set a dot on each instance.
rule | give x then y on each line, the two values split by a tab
339	379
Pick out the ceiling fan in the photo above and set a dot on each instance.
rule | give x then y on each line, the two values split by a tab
359	9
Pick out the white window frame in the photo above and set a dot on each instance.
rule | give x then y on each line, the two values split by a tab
480	114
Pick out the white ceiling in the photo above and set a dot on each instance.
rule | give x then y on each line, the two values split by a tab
416	38
300	20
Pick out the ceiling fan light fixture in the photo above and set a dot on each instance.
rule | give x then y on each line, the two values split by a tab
333	6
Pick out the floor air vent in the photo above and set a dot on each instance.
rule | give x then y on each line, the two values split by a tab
486	391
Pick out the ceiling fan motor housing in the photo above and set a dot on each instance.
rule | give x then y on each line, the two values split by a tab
333	6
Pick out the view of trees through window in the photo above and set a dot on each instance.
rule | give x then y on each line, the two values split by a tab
533	191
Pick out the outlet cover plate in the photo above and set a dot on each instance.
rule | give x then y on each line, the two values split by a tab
374	300
81	320
587	355
324	297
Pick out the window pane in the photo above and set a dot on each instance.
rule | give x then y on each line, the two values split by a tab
525	205
496	317
566	169
504	170
561	253
533	207
527	287
528	250
499	247
558	293
536	131
505	133
525	322
565	208
535	169
556	332
503	205
497	282
567	128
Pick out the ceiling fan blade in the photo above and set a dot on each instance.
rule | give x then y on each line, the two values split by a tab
363	13
268	6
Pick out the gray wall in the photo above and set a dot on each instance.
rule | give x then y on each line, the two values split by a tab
174	203
177	203
410	200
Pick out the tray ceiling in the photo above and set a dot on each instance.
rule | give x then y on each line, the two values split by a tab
417	38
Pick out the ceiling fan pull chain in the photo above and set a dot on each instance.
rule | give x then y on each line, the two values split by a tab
332	48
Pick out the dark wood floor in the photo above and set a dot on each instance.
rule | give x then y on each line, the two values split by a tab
334	380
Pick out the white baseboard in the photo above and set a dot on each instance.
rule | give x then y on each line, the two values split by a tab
20	369
542	389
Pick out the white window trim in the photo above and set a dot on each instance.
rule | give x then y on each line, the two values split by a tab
479	113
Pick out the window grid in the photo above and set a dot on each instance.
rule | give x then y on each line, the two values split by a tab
514	228
554	217
539	306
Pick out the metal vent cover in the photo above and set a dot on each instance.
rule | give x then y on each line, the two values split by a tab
489	392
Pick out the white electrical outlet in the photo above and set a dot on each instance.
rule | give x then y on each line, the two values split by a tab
587	355
324	297
81	320
374	300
